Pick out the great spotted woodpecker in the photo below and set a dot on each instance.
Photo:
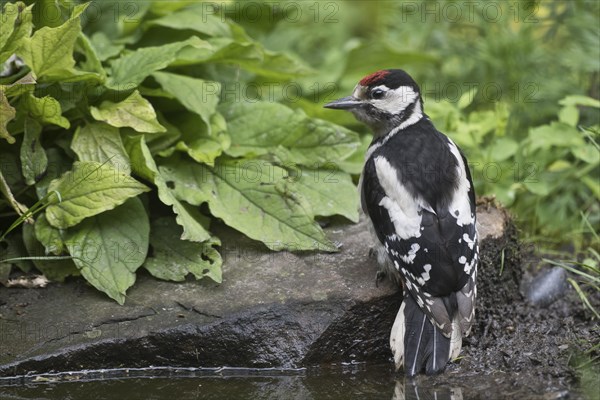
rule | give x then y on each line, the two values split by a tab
417	190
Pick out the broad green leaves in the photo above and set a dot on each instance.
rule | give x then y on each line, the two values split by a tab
133	112
261	128
330	192
260	202
89	189
197	95
129	70
145	166
109	248
33	157
7	113
49	52
174	259
87	115
15	28
102	143
46	110
194	18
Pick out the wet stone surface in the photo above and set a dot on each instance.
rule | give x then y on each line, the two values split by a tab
284	310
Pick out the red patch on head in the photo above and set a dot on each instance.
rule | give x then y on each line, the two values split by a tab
373	78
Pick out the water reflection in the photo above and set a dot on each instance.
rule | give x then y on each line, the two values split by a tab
354	381
409	389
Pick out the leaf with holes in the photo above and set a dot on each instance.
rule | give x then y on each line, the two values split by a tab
252	196
145	166
173	259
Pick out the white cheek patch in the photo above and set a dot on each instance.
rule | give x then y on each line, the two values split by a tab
396	100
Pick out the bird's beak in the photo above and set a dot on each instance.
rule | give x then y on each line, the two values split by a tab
345	103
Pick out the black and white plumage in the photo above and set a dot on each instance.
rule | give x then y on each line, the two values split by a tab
417	190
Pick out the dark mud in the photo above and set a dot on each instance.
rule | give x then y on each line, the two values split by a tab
515	344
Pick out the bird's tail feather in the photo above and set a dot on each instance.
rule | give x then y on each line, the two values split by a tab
417	344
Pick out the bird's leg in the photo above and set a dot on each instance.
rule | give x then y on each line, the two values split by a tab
380	277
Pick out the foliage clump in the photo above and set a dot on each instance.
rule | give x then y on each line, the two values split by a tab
117	139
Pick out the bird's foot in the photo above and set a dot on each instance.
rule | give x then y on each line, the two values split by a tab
379	277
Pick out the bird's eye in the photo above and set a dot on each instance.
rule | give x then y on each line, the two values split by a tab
377	94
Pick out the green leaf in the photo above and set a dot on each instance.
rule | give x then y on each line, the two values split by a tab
355	163
108	248
104	47
247	54
555	134
92	61
144	165
329	191
588	153
270	65
12	247
467	98
15	27
48	236
559	165
90	188
503	148
58	164
100	142
11	180
194	18
569	115
165	8
222	50
33	157
49	52
578	100
204	143
55	270
197	95
251	196
46	110
129	70
173	259
7	113
26	84
162	141
262	128
541	188
135	112
593	185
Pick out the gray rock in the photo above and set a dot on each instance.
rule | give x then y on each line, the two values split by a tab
272	310
547	287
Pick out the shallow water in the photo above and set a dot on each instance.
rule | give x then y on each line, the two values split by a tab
354	381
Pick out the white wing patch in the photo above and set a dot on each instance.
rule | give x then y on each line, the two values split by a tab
469	241
402	206
412	253
425	275
460	206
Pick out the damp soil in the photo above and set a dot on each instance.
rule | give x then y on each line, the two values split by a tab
519	350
